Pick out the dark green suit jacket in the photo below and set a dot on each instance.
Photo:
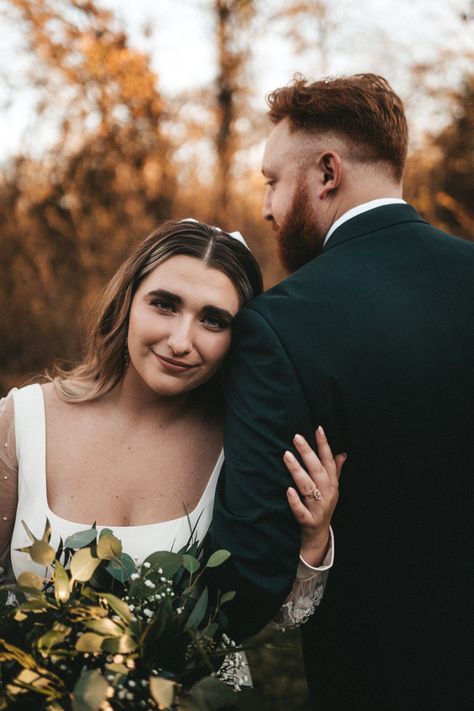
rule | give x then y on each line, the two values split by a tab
373	339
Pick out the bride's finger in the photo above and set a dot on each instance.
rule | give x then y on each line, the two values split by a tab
340	459
303	481
325	454
311	461
300	512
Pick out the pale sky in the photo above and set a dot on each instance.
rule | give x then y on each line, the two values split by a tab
384	36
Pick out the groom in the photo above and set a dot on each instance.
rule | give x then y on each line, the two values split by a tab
372	336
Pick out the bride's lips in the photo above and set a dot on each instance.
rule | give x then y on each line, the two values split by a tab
174	366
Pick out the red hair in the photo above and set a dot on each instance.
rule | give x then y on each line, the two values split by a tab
362	109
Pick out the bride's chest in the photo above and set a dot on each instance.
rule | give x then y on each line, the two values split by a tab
126	476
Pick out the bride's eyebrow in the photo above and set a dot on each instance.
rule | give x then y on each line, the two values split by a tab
210	310
163	294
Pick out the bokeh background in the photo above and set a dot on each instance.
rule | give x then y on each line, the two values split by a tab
117	115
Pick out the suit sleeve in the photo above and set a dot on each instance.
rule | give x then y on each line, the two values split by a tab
252	519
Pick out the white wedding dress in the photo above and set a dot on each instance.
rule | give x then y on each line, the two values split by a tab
23	497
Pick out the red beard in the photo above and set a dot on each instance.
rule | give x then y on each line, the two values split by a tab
298	236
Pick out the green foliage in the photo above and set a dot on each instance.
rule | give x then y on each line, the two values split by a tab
84	635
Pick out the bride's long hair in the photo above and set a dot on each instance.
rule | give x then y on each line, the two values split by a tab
103	364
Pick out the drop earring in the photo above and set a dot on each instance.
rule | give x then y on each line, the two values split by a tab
126	357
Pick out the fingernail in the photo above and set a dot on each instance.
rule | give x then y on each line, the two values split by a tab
289	455
344	454
291	492
299	439
320	430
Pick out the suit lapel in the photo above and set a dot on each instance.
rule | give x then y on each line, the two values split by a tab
379	218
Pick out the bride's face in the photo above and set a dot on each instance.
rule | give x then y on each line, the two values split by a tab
180	325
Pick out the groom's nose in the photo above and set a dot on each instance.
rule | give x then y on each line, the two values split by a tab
267	207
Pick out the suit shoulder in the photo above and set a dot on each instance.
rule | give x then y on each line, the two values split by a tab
452	241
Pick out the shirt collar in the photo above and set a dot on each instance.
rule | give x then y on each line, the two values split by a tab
359	209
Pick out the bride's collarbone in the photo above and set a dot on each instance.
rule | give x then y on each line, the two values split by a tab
98	468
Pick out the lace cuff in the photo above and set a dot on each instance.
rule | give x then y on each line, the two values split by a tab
306	593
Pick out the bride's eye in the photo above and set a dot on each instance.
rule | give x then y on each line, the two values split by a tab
163	306
214	322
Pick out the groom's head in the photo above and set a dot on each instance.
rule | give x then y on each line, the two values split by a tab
336	143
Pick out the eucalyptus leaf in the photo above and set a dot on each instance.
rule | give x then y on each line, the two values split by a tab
123	568
227	597
109	547
119	606
89	642
30	580
117	668
169	562
42	553
191	564
90	691
61	583
162	691
32	680
28	532
105	532
217	558
105	626
198	611
119	645
51	638
39	604
83	565
81	538
47	532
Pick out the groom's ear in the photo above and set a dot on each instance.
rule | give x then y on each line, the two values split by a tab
329	173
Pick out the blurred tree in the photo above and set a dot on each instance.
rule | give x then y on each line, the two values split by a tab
440	176
233	18
309	24
69	218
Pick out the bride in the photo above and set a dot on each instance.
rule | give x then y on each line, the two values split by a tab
131	438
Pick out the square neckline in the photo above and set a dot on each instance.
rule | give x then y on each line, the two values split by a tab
172	521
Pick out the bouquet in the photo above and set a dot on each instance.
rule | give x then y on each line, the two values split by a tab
99	632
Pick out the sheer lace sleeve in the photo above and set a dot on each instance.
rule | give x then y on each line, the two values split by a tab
306	593
8	481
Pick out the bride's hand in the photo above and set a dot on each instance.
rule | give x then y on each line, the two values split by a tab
315	497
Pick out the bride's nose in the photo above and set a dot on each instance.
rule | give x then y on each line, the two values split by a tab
180	338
